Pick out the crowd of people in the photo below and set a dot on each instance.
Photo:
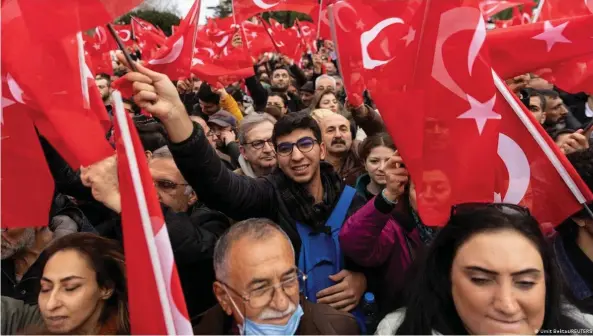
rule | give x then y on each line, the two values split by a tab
290	211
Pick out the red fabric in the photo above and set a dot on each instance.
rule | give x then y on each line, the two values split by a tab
560	9
564	58
244	9
175	58
54	19
526	176
100	63
350	20
144	303
24	173
427	106
125	34
321	19
49	73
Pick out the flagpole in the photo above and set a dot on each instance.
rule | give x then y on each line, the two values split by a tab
319	20
539	139
122	121
538	10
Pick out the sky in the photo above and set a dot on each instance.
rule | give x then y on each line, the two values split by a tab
184	6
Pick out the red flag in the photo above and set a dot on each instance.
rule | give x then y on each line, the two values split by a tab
155	298
125	34
532	170
175	58
320	17
559	50
352	24
100	63
557	9
438	101
51	20
25	174
49	73
244	9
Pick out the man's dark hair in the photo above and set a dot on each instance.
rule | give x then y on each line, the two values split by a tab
294	121
103	76
152	134
206	94
135	108
237	96
282	67
549	93
527	93
281	95
120	72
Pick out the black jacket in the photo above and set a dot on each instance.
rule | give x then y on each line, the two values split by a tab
239	197
193	235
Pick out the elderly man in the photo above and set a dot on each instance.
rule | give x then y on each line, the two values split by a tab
258	157
213	139
193	228
325	82
257	288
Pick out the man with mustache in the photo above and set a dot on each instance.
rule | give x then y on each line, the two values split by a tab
342	150
257	288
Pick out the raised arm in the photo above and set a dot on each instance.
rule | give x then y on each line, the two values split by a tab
217	187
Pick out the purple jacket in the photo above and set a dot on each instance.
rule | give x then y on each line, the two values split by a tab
373	238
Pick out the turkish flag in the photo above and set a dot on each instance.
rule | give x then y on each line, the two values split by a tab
320	17
533	172
51	20
149	37
24	175
257	38
125	34
560	51
50	75
436	95
100	63
368	36
175	58
560	9
155	299
244	9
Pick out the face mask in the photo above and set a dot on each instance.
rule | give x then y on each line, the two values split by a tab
251	328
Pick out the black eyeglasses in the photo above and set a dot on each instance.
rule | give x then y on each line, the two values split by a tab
168	185
261	297
259	144
506	208
305	145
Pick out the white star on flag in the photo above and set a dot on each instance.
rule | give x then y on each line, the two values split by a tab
254	35
480	112
410	37
552	35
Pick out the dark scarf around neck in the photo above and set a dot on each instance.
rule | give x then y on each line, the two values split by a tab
301	204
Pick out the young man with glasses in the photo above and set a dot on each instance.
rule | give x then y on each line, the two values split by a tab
258	156
305	196
258	285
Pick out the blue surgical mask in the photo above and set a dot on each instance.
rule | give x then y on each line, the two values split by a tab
252	328
290	328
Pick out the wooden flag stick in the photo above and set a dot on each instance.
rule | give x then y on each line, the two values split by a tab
121	47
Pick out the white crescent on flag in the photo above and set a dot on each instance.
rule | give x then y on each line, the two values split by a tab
518	168
172	55
452	22
263	5
368	36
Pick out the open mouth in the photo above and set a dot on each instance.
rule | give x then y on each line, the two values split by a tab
300	169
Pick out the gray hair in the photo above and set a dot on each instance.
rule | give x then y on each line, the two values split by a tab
250	122
333	80
258	229
165	153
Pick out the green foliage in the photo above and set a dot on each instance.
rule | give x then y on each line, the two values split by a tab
164	20
223	9
286	18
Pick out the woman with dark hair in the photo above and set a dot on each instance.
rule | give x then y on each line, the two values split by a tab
83	287
382	234
488	271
